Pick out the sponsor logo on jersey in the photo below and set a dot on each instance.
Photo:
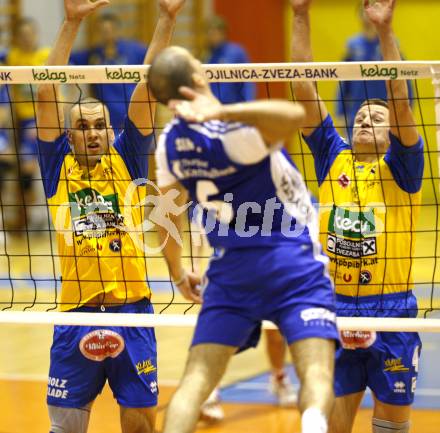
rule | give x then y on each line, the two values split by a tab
343	180
145	367
351	224
394	365
92	212
350	233
101	344
115	245
399	387
357	339
365	277
348	248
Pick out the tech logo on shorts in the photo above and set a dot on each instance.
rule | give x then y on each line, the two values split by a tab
101	344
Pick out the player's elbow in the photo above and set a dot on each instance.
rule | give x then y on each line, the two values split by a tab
45	93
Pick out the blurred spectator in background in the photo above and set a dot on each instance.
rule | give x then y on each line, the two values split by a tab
6	156
112	49
223	51
25	51
362	47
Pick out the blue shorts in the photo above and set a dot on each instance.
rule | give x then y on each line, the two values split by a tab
28	140
82	358
285	284
385	362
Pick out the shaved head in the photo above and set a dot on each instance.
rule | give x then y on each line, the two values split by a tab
171	69
88	104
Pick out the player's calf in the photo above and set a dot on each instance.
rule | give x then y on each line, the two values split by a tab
69	420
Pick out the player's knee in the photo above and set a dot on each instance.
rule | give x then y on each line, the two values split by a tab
383	426
68	420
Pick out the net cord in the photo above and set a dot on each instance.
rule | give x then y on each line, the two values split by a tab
189	320
252	72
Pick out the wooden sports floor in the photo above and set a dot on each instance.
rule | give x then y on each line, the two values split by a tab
24	349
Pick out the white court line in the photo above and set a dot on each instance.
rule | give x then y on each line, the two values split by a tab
427	392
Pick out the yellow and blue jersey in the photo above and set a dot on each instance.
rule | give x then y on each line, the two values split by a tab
22	94
97	223
368	213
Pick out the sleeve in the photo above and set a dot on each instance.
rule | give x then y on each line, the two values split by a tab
244	144
134	149
141	51
50	158
325	144
79	58
406	164
164	177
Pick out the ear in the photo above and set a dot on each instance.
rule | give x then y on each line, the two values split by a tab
70	139
198	79
111	134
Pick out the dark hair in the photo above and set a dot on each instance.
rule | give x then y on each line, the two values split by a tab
375	101
109	17
217	22
26	21
170	70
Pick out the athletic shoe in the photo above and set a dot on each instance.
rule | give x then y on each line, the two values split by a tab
283	390
211	411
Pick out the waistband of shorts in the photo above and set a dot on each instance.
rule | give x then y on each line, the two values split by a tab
374	298
142	303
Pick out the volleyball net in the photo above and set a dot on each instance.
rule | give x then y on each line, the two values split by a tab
30	272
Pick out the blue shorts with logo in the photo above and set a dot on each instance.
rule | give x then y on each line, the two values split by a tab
385	362
283	284
82	358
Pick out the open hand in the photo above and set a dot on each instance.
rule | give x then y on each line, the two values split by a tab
197	108
300	5
379	12
171	7
76	10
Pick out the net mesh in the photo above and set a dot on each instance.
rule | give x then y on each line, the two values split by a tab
29	257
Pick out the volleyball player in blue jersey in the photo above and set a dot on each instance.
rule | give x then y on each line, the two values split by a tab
258	216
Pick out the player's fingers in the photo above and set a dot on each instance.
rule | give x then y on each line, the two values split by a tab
99	3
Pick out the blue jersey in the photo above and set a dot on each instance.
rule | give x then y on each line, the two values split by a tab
115	96
249	195
229	93
351	94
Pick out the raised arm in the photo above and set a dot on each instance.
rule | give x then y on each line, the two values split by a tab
141	111
305	91
276	120
50	116
403	124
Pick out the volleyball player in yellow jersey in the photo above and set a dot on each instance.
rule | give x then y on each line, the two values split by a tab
369	204
88	177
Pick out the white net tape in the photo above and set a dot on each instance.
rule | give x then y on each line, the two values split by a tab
282	72
254	72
